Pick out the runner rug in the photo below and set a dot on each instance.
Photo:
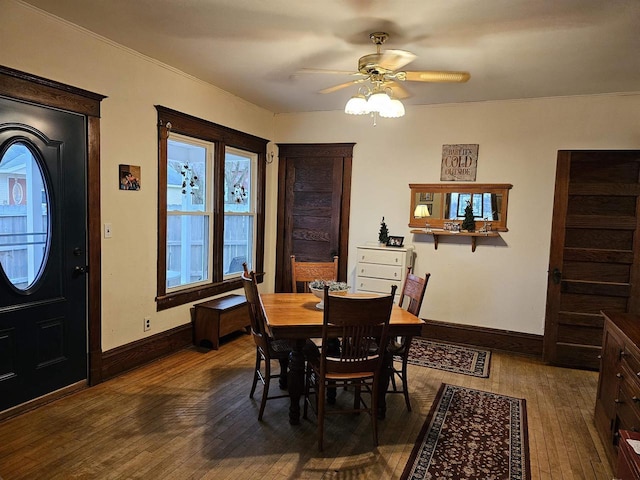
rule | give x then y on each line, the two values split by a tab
471	434
449	357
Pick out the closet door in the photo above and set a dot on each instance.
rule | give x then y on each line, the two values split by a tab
593	264
314	189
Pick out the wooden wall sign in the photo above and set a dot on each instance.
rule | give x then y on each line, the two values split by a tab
459	162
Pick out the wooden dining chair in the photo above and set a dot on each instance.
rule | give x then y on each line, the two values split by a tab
413	291
361	324
307	272
267	348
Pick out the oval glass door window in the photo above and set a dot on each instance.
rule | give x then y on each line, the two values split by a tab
24	217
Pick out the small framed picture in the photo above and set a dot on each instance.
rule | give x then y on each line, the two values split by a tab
426	197
395	241
129	177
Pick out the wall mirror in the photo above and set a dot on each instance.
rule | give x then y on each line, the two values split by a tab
434	204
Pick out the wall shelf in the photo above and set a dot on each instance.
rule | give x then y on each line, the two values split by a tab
445	233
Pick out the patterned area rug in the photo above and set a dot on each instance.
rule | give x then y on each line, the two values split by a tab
449	357
471	434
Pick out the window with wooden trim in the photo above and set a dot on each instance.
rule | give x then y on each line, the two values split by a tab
211	184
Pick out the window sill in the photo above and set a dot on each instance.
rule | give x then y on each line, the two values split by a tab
175	299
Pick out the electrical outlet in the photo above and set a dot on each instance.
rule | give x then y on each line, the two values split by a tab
107	230
147	324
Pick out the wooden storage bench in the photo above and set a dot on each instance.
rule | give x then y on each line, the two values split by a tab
219	317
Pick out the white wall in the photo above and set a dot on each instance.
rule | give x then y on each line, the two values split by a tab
42	45
502	284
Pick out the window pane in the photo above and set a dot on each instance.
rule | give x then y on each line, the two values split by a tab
24	220
238	182
187	252
238	243
186	176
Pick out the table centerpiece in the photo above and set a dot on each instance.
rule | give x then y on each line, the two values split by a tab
335	288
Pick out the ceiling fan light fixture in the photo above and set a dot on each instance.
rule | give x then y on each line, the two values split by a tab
395	110
357	105
379	102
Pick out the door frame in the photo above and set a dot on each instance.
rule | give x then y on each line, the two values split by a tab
329	150
18	85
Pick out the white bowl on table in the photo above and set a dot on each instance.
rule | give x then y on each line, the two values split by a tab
319	292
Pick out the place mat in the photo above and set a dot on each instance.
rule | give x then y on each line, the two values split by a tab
471	435
449	357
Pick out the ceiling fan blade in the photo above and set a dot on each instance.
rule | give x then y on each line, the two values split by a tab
436	76
335	88
331	72
398	90
395	59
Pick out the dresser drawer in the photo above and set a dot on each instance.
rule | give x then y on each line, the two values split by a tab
376	285
629	401
387	272
627	418
384	257
628	459
630	357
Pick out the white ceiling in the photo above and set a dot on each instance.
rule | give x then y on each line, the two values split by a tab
253	48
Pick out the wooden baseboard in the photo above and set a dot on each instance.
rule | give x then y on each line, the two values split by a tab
493	339
134	354
43	400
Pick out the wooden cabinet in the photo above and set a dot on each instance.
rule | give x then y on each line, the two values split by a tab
618	397
380	267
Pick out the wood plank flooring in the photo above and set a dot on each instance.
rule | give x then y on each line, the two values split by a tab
189	416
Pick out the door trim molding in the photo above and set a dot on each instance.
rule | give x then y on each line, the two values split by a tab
24	86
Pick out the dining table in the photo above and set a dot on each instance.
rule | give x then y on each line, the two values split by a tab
297	318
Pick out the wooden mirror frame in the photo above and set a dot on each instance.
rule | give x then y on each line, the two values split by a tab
438	220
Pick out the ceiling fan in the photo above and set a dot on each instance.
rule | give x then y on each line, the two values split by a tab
382	69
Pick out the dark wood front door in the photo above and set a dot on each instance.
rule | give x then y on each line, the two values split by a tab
594	258
314	189
43	248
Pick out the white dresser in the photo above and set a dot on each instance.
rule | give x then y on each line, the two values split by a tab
380	267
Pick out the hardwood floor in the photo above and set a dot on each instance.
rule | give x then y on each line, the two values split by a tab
189	416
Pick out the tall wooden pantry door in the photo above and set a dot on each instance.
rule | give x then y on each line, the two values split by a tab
594	258
314	190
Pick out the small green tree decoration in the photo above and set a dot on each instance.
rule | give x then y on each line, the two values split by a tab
383	236
468	223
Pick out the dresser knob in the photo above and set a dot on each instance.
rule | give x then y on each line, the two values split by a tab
619	375
622	353
635	399
618	401
637	374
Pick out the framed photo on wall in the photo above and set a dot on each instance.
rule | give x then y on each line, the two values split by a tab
129	177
